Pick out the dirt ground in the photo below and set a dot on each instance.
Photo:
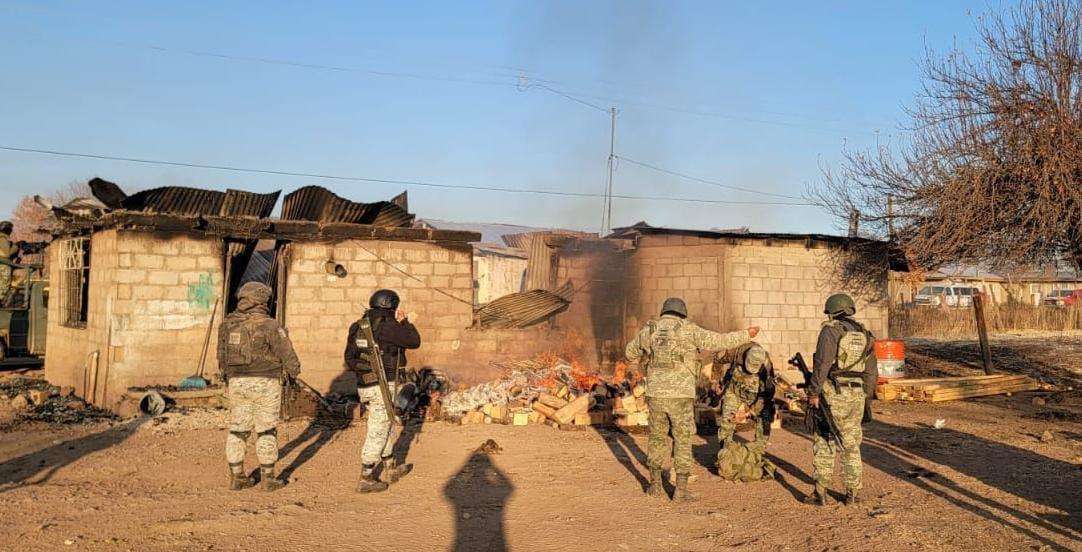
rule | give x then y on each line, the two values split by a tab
1000	475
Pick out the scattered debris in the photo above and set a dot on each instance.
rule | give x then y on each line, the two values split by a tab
1047	436
35	400
939	423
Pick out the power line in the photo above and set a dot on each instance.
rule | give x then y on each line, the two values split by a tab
392	181
703	180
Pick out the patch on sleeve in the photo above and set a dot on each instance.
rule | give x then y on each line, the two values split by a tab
361	342
234	338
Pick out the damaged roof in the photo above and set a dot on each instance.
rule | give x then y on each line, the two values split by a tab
319	204
181	200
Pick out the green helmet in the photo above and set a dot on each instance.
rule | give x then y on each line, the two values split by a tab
840	303
755	358
675	305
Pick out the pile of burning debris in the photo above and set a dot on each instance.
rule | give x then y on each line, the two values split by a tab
550	390
24	399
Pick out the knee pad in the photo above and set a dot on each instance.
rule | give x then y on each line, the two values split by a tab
242	435
272	432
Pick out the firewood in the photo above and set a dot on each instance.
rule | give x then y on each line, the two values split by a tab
520	418
563	392
551	401
544	410
629	404
536	417
597	417
567	414
639	390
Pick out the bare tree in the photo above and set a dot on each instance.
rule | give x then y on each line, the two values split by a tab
992	172
31	220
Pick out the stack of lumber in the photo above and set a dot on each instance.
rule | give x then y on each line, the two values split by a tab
629	409
954	388
565	408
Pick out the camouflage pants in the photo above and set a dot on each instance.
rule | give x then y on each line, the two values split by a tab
254	404
727	425
847	406
5	281
378	443
678	414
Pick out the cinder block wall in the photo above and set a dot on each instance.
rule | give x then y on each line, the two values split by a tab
151	297
731	284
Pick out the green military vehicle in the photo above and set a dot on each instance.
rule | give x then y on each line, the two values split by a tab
24	316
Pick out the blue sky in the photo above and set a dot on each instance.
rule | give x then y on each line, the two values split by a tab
750	96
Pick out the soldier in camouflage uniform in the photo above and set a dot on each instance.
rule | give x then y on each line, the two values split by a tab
747	391
394	333
8	252
844	375
254	354
670	348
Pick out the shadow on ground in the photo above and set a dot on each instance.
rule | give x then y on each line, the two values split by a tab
479	492
40	466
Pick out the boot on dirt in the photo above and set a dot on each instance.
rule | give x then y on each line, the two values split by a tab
238	480
369	482
682	492
818	496
656	487
268	481
851	497
393	471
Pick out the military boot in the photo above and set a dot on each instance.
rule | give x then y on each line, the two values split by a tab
851	497
238	480
656	487
393	471
818	496
369	482
682	492
268	481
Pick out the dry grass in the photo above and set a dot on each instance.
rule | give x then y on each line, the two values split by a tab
920	321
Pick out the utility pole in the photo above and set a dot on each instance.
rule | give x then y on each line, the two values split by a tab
606	212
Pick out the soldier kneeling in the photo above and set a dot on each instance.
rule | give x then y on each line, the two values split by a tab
747	391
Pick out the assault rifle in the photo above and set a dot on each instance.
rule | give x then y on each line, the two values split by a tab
376	361
817	419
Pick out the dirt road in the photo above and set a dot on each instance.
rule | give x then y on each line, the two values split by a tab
985	481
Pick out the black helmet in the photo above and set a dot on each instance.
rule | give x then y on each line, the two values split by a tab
840	303
384	299
675	305
6	227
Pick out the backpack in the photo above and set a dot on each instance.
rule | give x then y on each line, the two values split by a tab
854	347
744	462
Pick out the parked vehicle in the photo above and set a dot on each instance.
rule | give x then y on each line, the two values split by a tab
1063	298
951	296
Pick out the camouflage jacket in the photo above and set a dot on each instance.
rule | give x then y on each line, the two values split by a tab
670	347
252	343
752	389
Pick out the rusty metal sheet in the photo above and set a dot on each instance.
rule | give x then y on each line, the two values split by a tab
525	309
181	200
316	203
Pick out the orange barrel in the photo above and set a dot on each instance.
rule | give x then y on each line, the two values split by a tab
890	354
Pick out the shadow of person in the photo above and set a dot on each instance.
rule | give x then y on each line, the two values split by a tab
320	430
898	451
40	466
626	451
479	492
1025	474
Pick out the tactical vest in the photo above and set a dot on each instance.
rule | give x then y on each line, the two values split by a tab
853	349
247	349
366	348
664	353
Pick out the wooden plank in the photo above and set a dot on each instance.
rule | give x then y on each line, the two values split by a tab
551	401
545	410
567	414
911	381
945	395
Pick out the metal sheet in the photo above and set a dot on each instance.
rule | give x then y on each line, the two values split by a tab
319	204
181	200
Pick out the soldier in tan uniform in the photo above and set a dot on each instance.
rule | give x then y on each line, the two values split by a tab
670	348
254	355
844	375
8	252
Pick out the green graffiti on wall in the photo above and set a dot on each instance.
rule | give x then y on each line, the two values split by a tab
201	293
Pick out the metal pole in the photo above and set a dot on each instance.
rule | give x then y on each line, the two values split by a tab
606	215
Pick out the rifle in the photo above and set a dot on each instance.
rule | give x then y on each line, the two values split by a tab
817	419
376	360
319	396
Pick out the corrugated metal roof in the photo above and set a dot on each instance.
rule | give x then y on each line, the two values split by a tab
181	200
319	204
525	309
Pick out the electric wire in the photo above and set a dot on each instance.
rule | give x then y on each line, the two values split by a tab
392	181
